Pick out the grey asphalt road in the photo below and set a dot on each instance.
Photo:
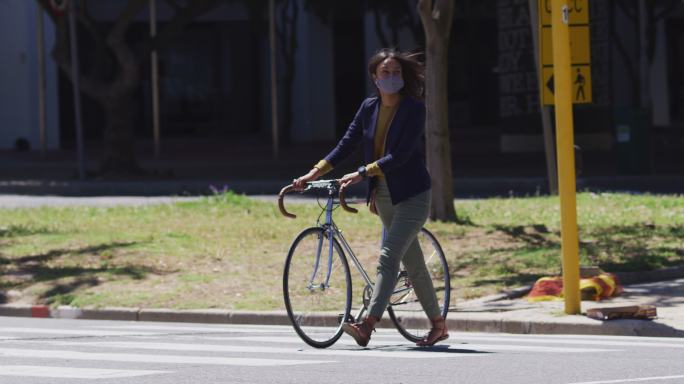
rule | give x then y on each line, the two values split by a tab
73	351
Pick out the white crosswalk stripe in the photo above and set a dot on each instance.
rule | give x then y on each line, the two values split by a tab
452	346
72	332
71	373
127	349
263	349
151	358
217	329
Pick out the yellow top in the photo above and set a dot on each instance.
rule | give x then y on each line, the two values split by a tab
324	166
385	116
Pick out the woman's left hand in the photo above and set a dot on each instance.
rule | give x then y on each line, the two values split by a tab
350	179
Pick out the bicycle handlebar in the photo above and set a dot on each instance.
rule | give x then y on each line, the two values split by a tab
343	203
281	203
329	184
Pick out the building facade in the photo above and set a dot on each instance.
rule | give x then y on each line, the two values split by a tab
19	80
215	77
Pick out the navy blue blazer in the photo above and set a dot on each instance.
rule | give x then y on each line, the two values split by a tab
404	160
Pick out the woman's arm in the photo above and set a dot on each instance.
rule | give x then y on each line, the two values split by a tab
351	138
344	148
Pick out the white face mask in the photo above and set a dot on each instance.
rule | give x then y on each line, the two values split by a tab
390	84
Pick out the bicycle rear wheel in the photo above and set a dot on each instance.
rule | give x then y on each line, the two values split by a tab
317	287
405	309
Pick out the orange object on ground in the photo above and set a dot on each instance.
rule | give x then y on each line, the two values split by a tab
595	288
546	288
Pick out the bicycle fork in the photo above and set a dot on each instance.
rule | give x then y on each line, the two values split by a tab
331	244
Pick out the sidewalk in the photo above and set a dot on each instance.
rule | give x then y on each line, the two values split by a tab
492	314
521	316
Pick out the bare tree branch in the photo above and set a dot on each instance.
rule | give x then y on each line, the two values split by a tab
183	17
443	15
128	76
425	11
60	52
132	9
100	44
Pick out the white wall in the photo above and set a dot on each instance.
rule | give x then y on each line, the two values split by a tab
19	111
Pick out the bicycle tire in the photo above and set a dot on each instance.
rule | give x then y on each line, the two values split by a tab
318	327
412	323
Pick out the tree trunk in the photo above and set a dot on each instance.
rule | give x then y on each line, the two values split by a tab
119	136
437	25
437	133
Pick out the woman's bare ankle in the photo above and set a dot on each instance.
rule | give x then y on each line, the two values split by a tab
438	322
371	321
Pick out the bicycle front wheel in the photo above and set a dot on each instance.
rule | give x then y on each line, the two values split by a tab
405	309
317	287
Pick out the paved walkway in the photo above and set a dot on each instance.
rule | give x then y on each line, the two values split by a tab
521	316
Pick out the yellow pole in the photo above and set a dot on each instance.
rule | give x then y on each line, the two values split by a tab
566	156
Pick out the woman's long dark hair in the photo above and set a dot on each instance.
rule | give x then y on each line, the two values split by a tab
412	70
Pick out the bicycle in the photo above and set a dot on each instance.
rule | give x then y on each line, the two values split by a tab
317	285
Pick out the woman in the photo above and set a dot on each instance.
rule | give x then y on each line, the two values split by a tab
390	128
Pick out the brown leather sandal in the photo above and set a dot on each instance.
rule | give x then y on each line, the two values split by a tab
361	332
438	333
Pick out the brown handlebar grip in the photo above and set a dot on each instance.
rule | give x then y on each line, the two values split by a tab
343	203
281	203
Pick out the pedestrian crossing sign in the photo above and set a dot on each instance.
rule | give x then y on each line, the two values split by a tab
581	85
580	51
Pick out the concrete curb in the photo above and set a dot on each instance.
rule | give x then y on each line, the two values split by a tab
516	323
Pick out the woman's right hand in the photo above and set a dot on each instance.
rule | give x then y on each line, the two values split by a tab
300	183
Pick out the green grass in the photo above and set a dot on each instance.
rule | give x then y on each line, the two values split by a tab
227	251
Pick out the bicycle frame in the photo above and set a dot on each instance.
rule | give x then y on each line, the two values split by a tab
334	232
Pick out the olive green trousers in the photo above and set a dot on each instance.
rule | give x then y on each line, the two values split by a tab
402	224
